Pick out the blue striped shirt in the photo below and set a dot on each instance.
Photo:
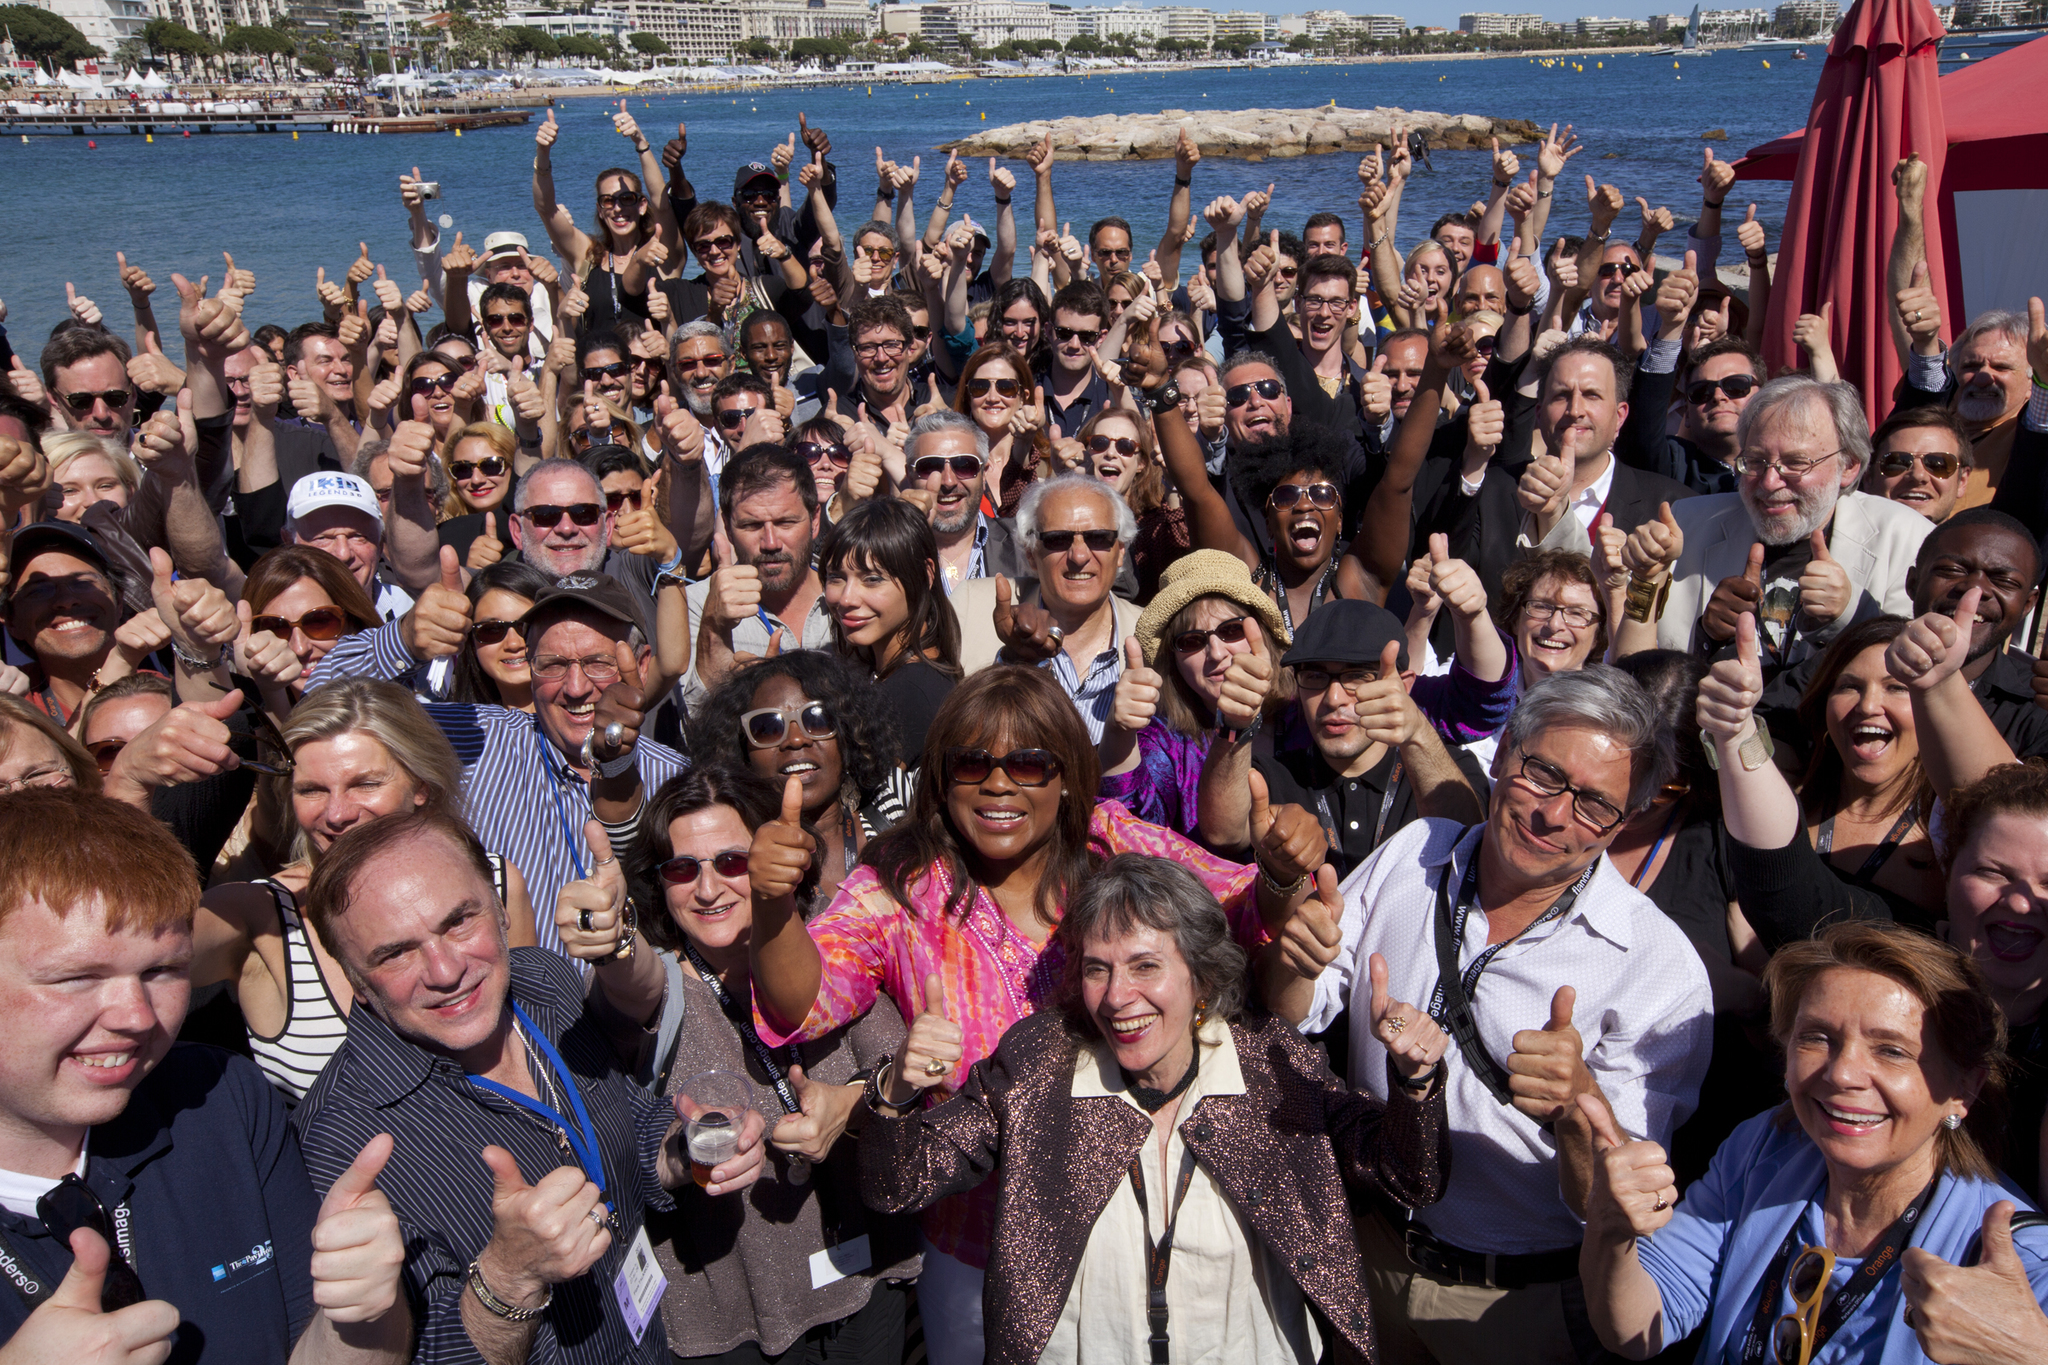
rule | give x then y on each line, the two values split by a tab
440	1188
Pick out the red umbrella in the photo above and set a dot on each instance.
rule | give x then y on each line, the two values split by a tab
1877	101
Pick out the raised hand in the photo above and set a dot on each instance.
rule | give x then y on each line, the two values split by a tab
1824	587
1247	682
1000	180
1603	203
1548	1067
1811	332
622	705
932	1050
332	296
1716	179
1547	482
1735	597
1919	310
198	614
82	308
1652	548
825	1109
544	136
1985	1312
461	258
1455	582
1136	699
150	369
358	1249
1313	934
1486	420
186	744
439	620
1556	150
2037	336
1749	234
1656	222
782	155
1729	693
1414	1041
1676	295
26	384
160	443
1040	157
813	138
783	849
135	280
263	657
673	150
542	1234
24	473
682	439
590	913
1287	842
1634	1188
1933	646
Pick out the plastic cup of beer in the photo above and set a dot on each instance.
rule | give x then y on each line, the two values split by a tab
714	1106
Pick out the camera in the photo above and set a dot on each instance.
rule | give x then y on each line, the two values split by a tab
429	189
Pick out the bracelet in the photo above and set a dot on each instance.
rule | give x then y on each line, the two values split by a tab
1182	184
1422	1082
629	926
873	1093
1713	203
197	663
1543	194
1502	184
1002	203
1646	598
1287	890
496	1306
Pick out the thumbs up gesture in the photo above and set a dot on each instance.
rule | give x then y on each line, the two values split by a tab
826	1108
1634	1187
734	596
435	626
1548	479
621	707
1414	1042
1984	1312
358	1249
1735	597
590	914
1486	420
1452	580
1919	310
1029	634
188	743
73	1326
198	614
783	849
932	1049
1136	699
262	656
160	443
1730	691
1385	711
1548	1066
1288	844
1935	645
1824	587
488	548
1247	682
542	1234
360	268
82	308
1652	548
24	473
27	385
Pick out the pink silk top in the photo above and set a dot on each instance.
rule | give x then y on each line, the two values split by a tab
991	973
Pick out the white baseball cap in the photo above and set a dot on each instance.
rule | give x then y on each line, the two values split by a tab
504	244
329	489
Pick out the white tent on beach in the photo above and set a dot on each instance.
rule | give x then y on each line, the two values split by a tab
155	81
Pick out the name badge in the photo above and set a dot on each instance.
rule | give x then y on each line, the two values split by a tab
639	1285
834	1264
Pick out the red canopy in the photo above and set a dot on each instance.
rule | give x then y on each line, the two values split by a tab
1877	101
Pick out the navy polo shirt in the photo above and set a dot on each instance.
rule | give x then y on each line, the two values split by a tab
220	1208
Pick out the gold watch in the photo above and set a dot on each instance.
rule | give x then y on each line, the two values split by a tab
1646	597
1753	753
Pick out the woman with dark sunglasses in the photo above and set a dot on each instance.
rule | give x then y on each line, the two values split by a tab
432	389
810	716
1117	447
821	444
635	233
307	598
958	904
996	392
739	1271
491	668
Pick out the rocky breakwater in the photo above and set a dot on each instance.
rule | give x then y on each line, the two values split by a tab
1247	134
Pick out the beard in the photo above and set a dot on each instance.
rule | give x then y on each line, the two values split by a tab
1980	405
1810	511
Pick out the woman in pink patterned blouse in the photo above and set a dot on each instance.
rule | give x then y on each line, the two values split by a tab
965	894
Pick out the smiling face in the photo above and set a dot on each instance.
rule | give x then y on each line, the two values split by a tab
616	209
991	408
1258	418
504	663
1004	824
1434	272
292	604
1991	378
1115	466
1787	509
770	530
1481	286
567	707
1083	330
1580	397
480	490
1998	902
715	911
1870	720
564	547
869	604
597	372
87	479
1405	360
325	361
768	347
1203	670
1304	535
1549	642
1993	558
90	1012
882	355
1720	414
699	363
1019	325
429	397
351	536
341	782
1078	578
1917	486
814	762
1324	308
1617	262
99	375
1325	239
1541	839
1867	1081
1137	988
62	607
955	501
32	759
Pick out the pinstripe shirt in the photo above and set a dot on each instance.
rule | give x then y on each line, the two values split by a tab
440	1188
526	803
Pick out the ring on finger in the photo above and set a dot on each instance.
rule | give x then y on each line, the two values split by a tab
935	1067
1661	1204
583	920
1395	1023
597	1215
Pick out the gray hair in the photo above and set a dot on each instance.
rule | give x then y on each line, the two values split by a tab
1844	407
1600	697
1239	359
944	420
2006	323
523	494
1037	493
437	476
1133	891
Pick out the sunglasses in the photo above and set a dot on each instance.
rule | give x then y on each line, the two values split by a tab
424	384
1484	347
1618	270
682	869
1808	1276
724	243
491	632
1025	767
506	319
105	752
1938	465
583	438
321	623
825	452
72	1205
732	419
1230	632
1179	350
931	466
1322	495
877	253
684	364
768	726
1101	445
624	199
1086	336
618	369
1700	392
1007	388
81	403
547	514
490	466
920	333
1059	542
262	751
619	497
1237	395
466	362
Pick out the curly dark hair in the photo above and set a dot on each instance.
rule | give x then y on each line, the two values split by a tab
752	797
866	726
1257	469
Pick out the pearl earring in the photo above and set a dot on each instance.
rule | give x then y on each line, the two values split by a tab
1954	1121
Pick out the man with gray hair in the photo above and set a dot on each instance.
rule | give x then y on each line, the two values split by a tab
1796	543
1982	378
946	456
1563	988
1076	531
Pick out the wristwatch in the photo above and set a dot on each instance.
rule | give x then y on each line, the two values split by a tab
1646	597
1754	753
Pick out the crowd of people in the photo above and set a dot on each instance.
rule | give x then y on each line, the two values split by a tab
936	790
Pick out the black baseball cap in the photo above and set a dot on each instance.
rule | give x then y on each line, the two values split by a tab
61	536
1346	631
594	592
751	172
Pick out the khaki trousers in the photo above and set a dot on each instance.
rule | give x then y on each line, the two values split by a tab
1422	1320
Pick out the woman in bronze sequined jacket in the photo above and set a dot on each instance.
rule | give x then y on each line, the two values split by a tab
1064	1109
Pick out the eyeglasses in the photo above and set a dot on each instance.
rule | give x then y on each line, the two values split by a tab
618	369
601	669
1006	388
1059	542
964	467
918	333
59	776
583	438
1319	495
1939	465
1112	253
684	364
235	383
623	199
1101	445
879	350
71	1205
424	384
544	515
1578	618
877	253
732	419
682	869
1310	680
1230	632
1309	303
725	243
81	403
321	623
825	452
262	750
1701	392
1025	767
1756	466
491	632
1618	270
1087	336
1808	1276
1593	809
616	498
1179	350
105	752
768	726
1484	346
1237	395
490	466
506	319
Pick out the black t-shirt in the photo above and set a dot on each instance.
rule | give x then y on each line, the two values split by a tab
914	693
1694	887
1357	814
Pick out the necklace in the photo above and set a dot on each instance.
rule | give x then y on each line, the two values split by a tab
1152	1101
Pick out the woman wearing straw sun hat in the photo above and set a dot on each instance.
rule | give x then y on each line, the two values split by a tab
1204	657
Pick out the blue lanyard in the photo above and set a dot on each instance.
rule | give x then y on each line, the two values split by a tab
581	1137
555	787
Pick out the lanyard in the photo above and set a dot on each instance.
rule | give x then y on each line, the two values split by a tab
555	787
736	1014
1875	1267
580	1137
1468	892
1825	844
1159	1259
1278	587
1650	860
1379	827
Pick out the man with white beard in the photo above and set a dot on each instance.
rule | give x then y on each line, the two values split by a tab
1983	377
1796	543
697	359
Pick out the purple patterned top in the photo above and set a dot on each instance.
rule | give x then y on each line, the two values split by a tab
1162	789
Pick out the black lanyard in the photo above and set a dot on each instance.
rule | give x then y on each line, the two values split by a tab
1328	820
1159	1259
777	1071
1468	892
1277	586
1825	844
1875	1267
